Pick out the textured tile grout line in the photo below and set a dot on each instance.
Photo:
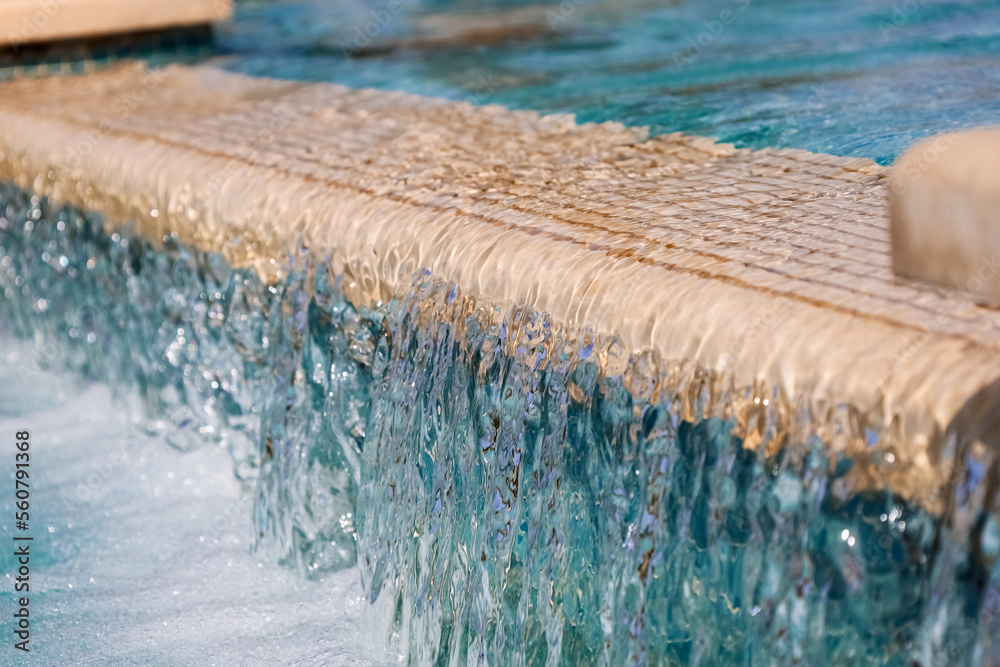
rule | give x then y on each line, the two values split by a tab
747	264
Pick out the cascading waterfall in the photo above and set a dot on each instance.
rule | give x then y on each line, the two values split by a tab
522	503
515	493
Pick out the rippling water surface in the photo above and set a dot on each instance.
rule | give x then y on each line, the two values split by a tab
852	77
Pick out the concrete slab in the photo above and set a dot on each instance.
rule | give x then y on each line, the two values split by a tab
34	21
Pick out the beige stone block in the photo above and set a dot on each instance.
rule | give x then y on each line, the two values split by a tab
34	21
944	209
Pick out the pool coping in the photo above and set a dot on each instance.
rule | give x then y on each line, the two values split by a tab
763	275
32	22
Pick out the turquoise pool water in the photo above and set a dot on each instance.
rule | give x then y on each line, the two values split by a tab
852	77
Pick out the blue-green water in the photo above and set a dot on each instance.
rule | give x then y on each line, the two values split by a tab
852	77
505	498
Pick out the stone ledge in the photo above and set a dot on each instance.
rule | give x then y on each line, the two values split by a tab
34	21
768	271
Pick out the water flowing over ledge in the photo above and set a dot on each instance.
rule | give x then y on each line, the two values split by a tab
516	492
766	269
565	395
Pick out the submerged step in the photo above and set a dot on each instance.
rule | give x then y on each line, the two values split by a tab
769	270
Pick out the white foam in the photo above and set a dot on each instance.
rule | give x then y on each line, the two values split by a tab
141	552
